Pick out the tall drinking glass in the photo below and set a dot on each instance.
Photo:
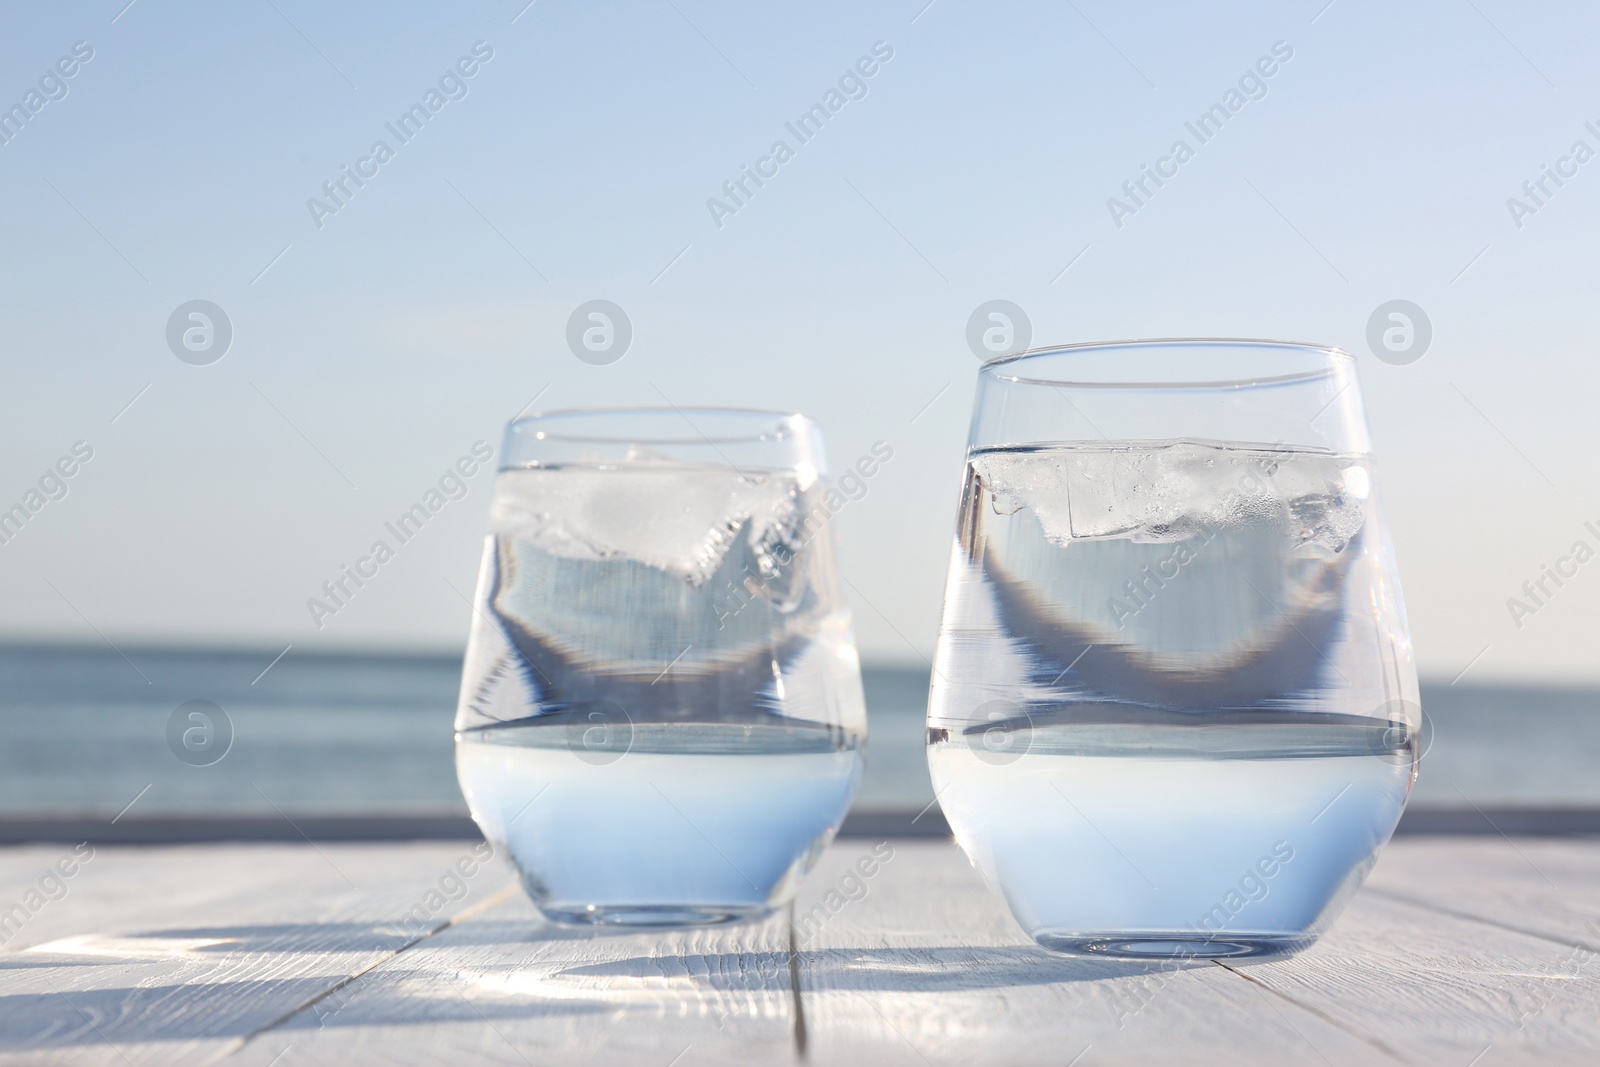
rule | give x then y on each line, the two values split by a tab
661	719
1174	712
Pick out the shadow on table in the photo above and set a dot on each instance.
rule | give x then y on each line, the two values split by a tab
323	937
153	986
128	1015
920	970
136	988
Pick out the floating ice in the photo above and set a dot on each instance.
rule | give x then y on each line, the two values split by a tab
676	517
1165	491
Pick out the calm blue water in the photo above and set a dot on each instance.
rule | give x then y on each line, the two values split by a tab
83	731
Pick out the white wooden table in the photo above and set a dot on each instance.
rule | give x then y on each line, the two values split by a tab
1465	951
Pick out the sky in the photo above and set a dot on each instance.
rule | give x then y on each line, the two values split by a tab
375	339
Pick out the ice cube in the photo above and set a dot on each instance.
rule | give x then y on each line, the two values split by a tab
1168	491
679	518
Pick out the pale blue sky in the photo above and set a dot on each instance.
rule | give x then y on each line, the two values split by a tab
379	347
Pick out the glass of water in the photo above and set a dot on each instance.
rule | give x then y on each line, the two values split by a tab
1174	712
661	719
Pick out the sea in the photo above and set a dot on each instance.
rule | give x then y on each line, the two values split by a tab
98	732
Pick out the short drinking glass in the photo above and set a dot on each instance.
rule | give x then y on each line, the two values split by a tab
661	719
1174	712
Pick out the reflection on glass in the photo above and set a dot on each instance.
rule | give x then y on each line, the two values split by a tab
1173	708
661	719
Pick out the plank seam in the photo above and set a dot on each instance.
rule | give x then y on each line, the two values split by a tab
483	905
794	991
1375	1042
1469	917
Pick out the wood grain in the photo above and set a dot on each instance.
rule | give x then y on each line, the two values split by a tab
1461	948
1549	888
503	987
1438	988
175	955
929	968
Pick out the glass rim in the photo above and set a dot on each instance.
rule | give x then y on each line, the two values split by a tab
536	424
1335	360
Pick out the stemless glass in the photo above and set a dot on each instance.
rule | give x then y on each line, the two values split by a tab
1174	712
661	718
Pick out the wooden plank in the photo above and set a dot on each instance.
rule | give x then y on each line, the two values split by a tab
1443	989
1549	888
248	953
175	955
927	967
503	987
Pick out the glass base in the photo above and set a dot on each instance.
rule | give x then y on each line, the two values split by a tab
1183	945
652	915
